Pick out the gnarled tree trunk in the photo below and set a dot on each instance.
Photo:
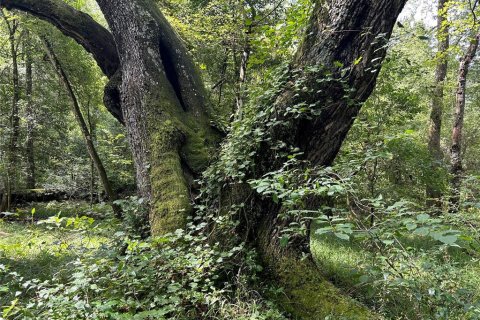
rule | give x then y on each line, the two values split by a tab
345	41
164	107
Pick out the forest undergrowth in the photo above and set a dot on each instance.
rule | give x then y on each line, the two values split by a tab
71	261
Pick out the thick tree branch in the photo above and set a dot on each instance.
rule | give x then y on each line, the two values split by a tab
348	38
87	32
333	74
76	24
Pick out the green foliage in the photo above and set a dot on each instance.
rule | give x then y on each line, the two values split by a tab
176	276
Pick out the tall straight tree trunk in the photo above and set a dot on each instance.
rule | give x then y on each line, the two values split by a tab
92	129
12	154
112	196
433	193
458	119
223	71
29	114
246	52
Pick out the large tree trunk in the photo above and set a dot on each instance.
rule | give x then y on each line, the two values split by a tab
345	40
458	119
164	107
29	114
92	151
433	193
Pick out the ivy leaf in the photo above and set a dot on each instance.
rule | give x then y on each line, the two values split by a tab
423	217
423	231
364	279
284	241
342	236
411	226
275	198
448	239
324	230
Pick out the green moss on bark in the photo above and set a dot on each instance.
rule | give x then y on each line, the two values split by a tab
198	148
308	296
170	195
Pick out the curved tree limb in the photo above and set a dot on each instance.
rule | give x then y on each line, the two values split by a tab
76	24
85	31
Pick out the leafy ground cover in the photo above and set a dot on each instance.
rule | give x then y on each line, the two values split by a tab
58	263
32	249
61	264
414	276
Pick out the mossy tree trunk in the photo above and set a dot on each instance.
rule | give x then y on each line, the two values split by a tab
164	107
345	41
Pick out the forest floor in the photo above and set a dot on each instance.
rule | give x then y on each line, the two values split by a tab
40	243
46	242
431	279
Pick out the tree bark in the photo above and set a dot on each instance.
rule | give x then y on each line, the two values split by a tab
345	43
433	193
92	129
29	114
112	196
458	120
164	107
12	154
